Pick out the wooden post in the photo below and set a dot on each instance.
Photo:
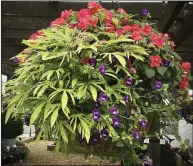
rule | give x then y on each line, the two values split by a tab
154	150
154	142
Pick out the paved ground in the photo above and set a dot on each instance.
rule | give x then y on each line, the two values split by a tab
40	156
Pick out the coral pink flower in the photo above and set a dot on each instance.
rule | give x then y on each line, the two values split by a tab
108	14
157	40
186	66
155	61
120	10
66	14
127	28
146	30
184	83
136	35
58	21
93	7
135	27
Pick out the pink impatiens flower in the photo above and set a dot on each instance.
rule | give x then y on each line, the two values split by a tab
58	21
120	10
136	35
66	14
146	30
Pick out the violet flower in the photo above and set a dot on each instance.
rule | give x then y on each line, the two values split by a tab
116	121
96	115
166	63
157	84
128	81
16	60
103	97
142	122
94	140
104	133
92	62
136	135
145	11
126	99
102	69
114	111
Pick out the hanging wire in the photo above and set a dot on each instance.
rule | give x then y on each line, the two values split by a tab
113	6
118	4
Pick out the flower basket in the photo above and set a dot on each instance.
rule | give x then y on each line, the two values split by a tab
99	74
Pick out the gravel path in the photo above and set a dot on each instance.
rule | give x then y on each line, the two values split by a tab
40	156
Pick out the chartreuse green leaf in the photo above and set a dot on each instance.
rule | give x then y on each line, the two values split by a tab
113	41
112	75
61	84
137	49
15	99
74	81
63	133
54	117
40	93
36	89
93	92
86	129
81	92
36	112
35	46
137	56
149	72
9	112
72	97
121	59
57	147
64	100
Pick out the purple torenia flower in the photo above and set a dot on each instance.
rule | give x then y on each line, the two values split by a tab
126	99
136	135
94	140
104	133
142	122
166	63
114	111
116	122
102	69
16	60
148	41
96	114
103	97
92	62
145	11
128	81
157	84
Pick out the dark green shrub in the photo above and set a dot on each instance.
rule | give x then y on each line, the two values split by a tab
12	129
15	153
